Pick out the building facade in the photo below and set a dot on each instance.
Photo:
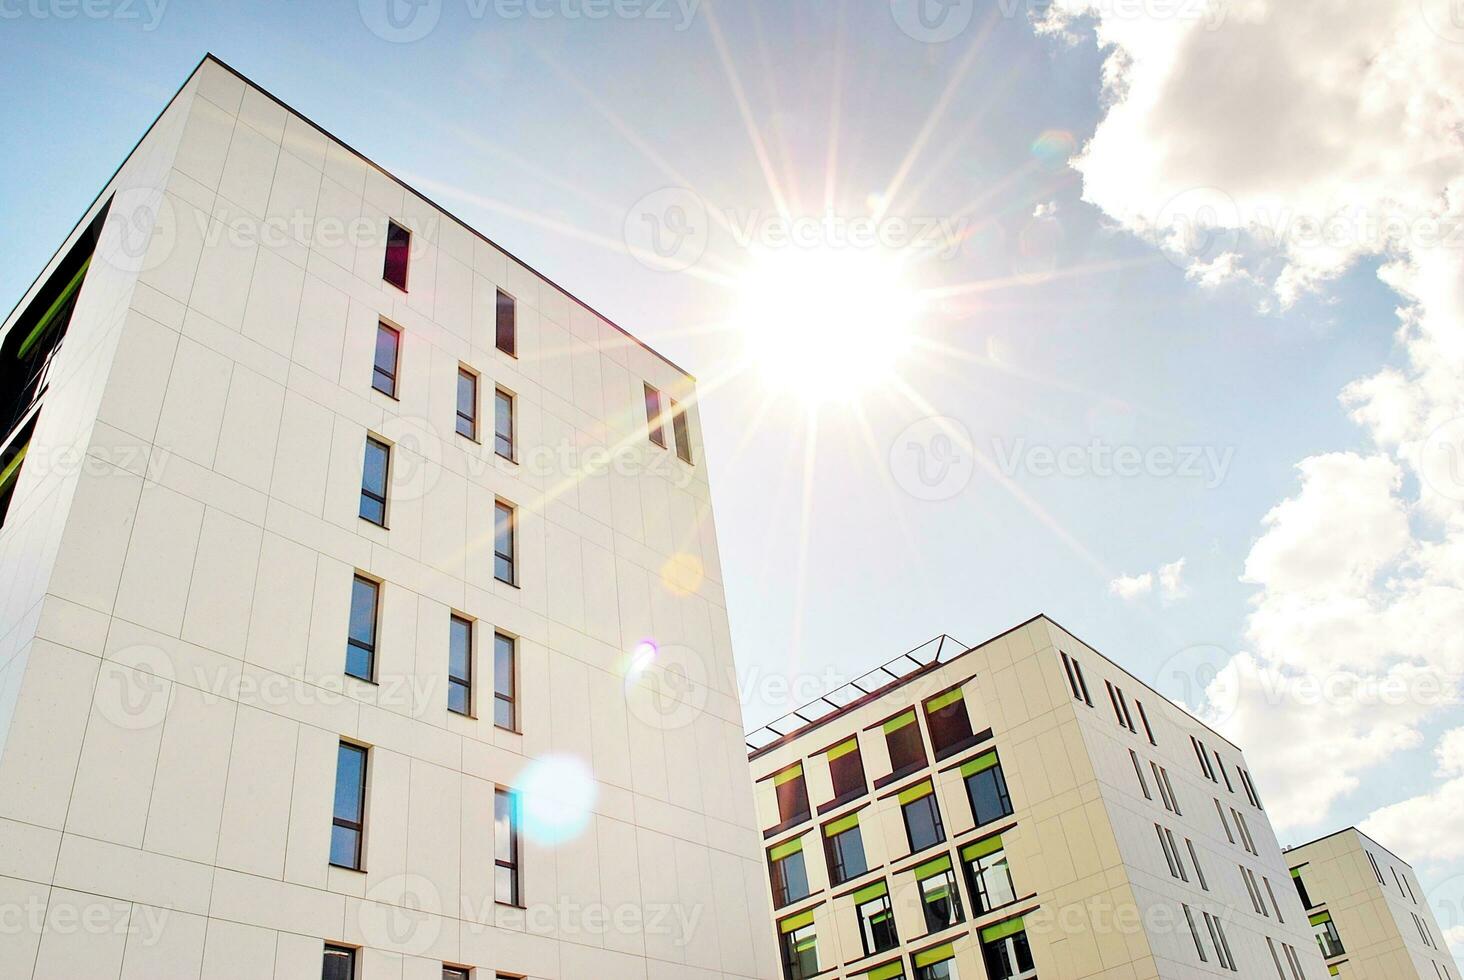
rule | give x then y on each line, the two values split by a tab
1371	918
348	566
1024	808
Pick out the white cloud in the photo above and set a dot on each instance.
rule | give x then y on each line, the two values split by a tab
1451	753
1170	579
1131	587
1286	141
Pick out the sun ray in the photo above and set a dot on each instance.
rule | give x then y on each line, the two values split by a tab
1035	278
836	114
744	109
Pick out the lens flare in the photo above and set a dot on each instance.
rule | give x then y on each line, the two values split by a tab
1054	147
558	794
682	574
633	665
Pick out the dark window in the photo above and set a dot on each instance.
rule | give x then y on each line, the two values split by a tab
506	885
1082	682
505	673
846	769
1139	771
506	327
944	970
1067	666
340	964
460	666
1144	717
788	872
503	552
361	638
1229	834
1199	871
388	350
398	249
792	792
1327	938
349	823
922	817
950	724
11	463
800	947
1127	716
1223	772
988	875
1168	854
876	919
375	472
455	973
1195	935
467	404
679	431
1113	699
939	896
653	417
503	423
1272	893
844	848
907	750
986	787
1007	953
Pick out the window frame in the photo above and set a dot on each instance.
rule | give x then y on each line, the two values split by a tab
503	299
502	640
350	954
513	864
655	415
502	395
937	824
952	701
466	373
680	431
352	643
404	244
507	513
357	827
465	682
779	880
1003	791
867	926
977	867
377	371
378	498
835	857
953	897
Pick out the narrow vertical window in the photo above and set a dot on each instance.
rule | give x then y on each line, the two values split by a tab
1195	934
375	471
1274	904
505	672
398	248
678	429
506	325
1078	668
1139	771
1067	666
349	822
503	544
503	423
1195	860
506	882
388	355
654	426
467	404
10	466
361	637
1144	717
340	963
460	666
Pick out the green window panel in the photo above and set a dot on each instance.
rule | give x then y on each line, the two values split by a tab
841	826
917	792
786	850
945	700
933	956
890	971
869	894
843	749
788	775
979	764
48	319
1002	930
1321	918
795	922
899	722
981	848
932	868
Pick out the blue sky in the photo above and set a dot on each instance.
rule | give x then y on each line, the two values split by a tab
1084	330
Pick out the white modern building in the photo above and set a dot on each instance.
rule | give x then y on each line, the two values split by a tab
361	613
1370	915
1022	808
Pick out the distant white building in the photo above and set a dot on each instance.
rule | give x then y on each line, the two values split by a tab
361	613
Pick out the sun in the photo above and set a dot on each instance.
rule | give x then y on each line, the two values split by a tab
827	324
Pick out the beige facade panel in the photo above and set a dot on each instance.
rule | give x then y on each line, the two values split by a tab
267	699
